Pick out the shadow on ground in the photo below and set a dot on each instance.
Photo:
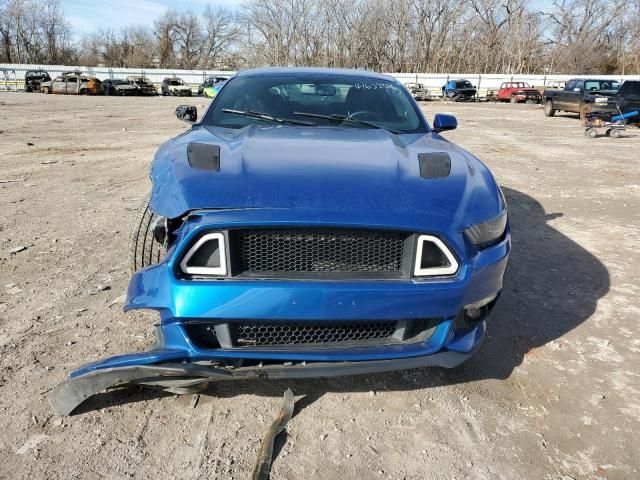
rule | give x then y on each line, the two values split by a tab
552	285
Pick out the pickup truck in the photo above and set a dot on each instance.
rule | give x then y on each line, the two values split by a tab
582	95
515	92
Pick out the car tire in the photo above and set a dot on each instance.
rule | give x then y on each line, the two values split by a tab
549	109
46	90
144	249
512	99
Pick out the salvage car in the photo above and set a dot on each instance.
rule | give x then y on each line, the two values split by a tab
459	90
418	91
175	86
210	82
582	96
73	83
516	92
310	224
213	90
115	86
145	86
34	78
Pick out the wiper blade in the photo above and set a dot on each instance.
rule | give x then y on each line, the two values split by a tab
269	118
335	117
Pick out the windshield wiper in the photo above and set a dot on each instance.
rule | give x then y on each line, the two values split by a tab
334	117
268	118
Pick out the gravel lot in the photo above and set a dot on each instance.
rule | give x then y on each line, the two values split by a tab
553	394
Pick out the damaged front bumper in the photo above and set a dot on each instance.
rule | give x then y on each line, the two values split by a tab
192	377
182	360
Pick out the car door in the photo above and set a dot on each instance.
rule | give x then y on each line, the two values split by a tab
502	91
59	85
72	85
573	96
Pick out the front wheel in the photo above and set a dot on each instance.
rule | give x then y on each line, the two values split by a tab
46	90
512	99
549	109
144	248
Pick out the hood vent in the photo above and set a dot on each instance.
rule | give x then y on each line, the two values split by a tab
204	156
434	165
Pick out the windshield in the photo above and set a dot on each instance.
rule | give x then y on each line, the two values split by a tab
464	84
594	85
176	82
384	103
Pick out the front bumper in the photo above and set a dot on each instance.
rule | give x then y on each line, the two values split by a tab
176	356
182	378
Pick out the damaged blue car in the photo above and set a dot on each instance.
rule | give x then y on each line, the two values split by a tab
310	224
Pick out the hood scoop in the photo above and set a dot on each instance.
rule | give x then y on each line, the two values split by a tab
204	156
434	165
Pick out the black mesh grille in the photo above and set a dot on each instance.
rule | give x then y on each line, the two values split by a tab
288	333
278	334
316	250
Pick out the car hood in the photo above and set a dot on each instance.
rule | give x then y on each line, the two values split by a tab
322	169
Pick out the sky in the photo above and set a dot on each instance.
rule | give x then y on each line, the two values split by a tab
88	15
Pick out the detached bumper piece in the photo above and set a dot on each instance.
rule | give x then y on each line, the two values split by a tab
192	377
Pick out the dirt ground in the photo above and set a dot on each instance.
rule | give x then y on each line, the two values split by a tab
553	394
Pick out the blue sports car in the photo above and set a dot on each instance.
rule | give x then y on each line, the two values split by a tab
310	224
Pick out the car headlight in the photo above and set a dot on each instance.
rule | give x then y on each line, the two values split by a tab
602	100
208	256
488	233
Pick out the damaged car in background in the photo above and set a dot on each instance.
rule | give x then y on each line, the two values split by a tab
115	86
310	224
33	79
73	83
145	86
459	91
418	91
209	82
517	92
175	86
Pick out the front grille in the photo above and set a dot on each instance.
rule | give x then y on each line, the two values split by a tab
282	251
281	333
293	334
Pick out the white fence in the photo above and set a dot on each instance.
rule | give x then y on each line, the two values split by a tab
433	81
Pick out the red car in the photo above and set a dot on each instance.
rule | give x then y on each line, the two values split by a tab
515	92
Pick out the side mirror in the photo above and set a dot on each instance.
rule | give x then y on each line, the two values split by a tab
187	113
443	122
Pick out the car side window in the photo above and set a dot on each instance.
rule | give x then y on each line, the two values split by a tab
570	85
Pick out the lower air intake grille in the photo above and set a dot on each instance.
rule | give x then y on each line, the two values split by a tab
289	333
282	251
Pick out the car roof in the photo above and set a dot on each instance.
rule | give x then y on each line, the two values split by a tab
312	70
